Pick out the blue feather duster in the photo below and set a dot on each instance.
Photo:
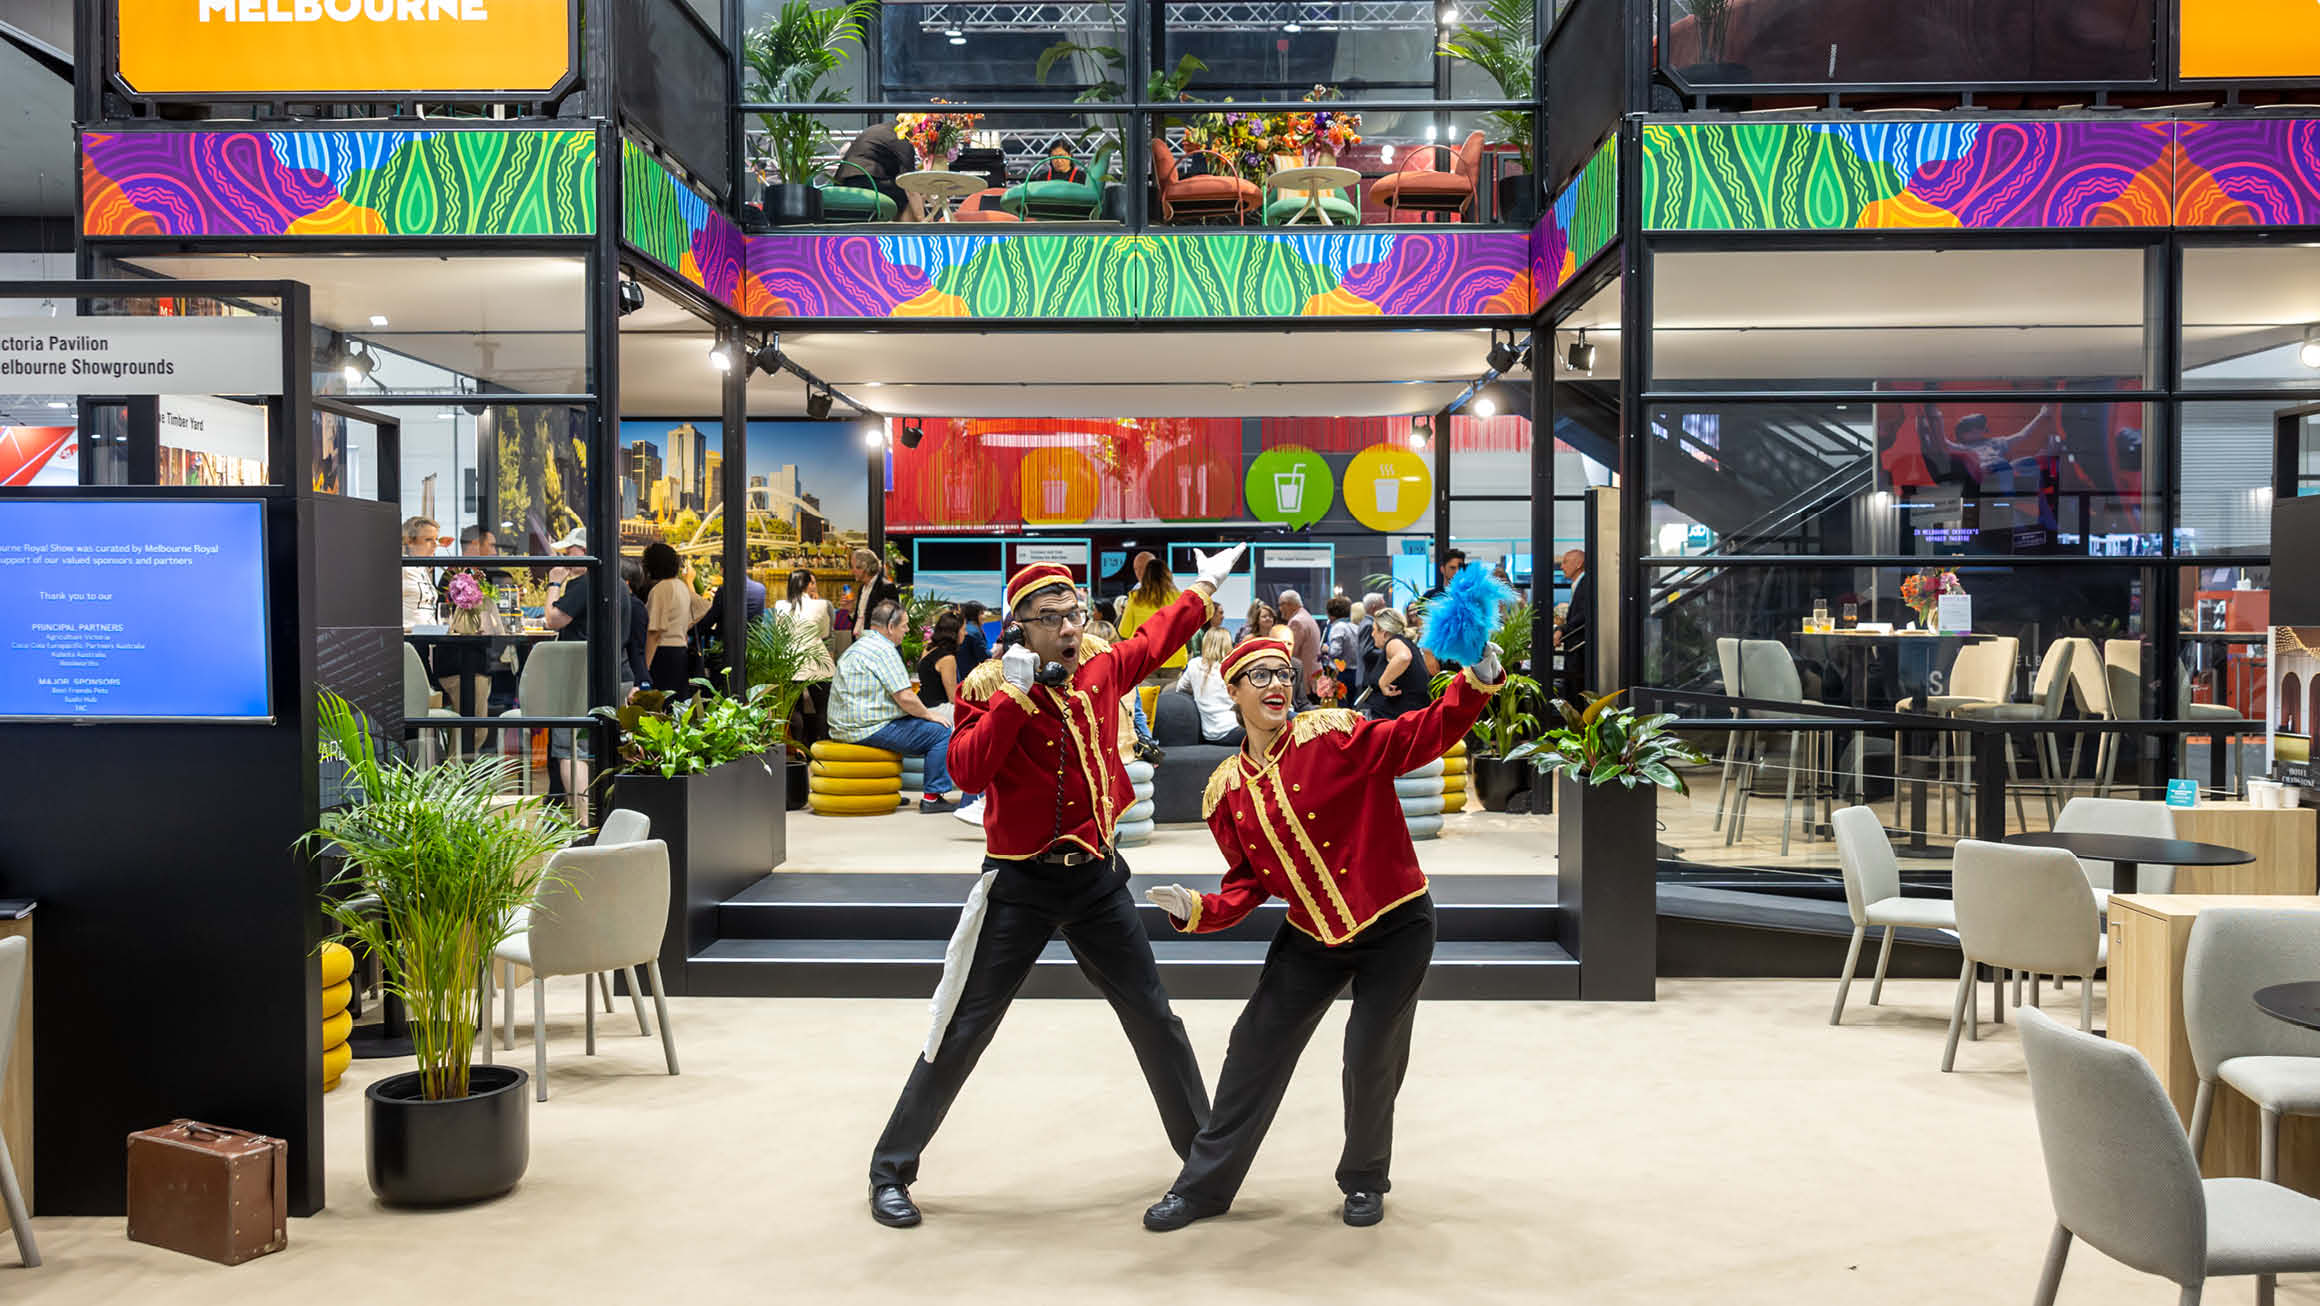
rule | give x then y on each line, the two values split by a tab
1459	624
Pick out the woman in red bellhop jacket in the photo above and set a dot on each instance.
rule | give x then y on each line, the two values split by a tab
1307	812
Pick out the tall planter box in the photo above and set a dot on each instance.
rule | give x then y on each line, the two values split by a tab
1607	887
725	831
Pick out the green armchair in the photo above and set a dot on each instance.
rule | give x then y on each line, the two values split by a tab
853	201
1039	199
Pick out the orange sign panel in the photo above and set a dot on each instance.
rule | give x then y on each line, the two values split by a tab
376	47
2249	38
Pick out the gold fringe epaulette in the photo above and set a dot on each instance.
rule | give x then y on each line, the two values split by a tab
1321	721
1221	781
1090	645
983	681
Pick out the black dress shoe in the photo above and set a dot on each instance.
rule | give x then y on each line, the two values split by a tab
1364	1209
1171	1213
929	806
1147	751
891	1206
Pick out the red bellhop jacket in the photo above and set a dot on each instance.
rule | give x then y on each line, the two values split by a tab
1017	746
1317	822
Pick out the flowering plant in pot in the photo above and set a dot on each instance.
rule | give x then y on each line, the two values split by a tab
436	866
937	137
1922	591
785	59
474	601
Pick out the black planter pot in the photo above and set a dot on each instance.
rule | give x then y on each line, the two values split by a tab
1518	198
1495	780
426	1153
1607	887
801	783
725	830
786	204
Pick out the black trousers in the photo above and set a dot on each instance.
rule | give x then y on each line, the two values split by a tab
1109	942
1385	964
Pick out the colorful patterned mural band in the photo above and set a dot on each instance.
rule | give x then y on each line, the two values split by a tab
339	183
1787	176
1337	273
1582	220
668	222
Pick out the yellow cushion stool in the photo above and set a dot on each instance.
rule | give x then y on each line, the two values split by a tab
1453	800
854	804
840	785
1455	765
336	997
337	963
830	750
858	770
334	1063
336	1028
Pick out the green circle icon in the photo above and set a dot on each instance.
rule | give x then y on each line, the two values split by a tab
1290	486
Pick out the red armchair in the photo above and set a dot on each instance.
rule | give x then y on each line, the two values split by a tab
1222	192
1417	186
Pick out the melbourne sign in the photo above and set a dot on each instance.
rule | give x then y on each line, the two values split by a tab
344	47
140	356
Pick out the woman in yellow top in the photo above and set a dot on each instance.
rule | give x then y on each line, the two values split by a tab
1156	590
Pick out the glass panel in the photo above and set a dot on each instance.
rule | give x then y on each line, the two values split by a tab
1856	320
2248	315
1926	477
2226	502
965	52
1790	42
1280	49
1073	155
496	479
2224	625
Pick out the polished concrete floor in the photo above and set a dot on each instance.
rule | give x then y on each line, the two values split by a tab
1722	1146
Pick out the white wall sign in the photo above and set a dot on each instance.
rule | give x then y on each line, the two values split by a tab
1069	555
140	355
1317	558
1955	612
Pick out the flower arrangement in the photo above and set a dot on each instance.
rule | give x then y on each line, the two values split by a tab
1322	131
1923	590
469	591
1253	140
936	136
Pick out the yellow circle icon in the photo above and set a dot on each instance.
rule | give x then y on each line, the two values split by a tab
1388	487
1058	486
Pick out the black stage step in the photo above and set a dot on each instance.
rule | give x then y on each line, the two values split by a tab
1737	933
822	934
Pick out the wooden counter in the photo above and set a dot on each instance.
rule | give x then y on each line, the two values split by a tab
2280	838
2149	934
16	1093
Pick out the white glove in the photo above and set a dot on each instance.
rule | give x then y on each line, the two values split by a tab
1020	664
1488	670
1214	567
1174	899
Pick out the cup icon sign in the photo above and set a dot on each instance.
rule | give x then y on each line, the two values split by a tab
1388	492
1184	490
1289	491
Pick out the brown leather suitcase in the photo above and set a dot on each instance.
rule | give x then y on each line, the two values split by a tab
220	1194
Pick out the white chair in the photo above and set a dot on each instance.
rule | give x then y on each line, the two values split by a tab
607	910
2046	700
13	959
2233	952
1873	897
1768	671
2124	1178
2123	681
2119	816
2124	658
1728	665
418	705
1981	675
555	683
622	825
2025	909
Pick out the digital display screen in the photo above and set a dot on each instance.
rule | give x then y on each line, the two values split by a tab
121	610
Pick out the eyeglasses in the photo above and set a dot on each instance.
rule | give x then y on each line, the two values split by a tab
1267	677
1059	619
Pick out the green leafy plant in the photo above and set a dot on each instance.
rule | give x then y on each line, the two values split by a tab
1112	87
1501	39
704	731
1598	744
1511	719
920	611
787	56
436	864
780	655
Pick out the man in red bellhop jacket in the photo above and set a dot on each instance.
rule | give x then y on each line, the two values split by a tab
1038	735
1307	811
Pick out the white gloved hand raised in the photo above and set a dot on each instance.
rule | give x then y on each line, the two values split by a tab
1488	670
1020	664
1174	899
1214	567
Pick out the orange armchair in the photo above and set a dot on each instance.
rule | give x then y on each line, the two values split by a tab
1221	193
1417	186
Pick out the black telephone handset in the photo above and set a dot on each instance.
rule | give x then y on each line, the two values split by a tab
1049	673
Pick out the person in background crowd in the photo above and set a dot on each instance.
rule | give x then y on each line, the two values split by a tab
1156	589
1304	640
938	669
1213	620
1261	620
973	647
1401	672
872	703
635	657
873	159
672	605
712	627
1571	636
1341	643
1203	680
421	537
871	588
803	605
1453	562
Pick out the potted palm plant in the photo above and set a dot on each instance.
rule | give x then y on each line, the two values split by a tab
1501	39
786	657
436	864
1609	765
786	58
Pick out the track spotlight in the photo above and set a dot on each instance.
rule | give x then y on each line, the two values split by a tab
1580	356
1502	357
631	296
1448	15
1420	433
355	365
912	433
766	358
817	403
874	434
1483	405
720	358
2309	352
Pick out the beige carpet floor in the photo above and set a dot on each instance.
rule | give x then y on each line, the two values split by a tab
1724	1146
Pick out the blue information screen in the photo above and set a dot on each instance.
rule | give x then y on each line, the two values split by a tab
113	610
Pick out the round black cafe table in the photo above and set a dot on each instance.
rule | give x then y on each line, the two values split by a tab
2297	1003
2127	852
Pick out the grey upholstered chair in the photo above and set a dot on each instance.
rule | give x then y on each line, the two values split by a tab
1768	671
2026	909
2123	1177
1873	896
608	910
2048	695
2119	816
2233	952
624	825
13	953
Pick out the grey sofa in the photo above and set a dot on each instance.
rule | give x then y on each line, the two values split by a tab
1179	779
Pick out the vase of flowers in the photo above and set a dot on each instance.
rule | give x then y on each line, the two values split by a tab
1312	138
474	602
937	137
1923	591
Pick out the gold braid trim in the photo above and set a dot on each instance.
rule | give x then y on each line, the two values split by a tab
1320	721
1090	645
1221	781
1476	681
983	681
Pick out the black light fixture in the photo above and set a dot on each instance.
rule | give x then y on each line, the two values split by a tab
766	358
354	364
817	403
1580	356
912	433
1421	432
1503	356
631	296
